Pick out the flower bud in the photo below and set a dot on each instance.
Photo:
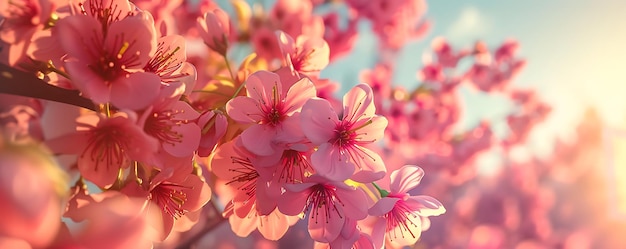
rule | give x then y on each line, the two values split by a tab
214	30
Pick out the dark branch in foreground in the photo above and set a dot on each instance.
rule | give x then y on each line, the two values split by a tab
16	82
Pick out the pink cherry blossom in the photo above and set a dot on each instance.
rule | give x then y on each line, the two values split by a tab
106	145
272	226
265	43
106	57
307	55
402	213
171	122
22	20
271	111
447	57
233	163
341	142
174	191
169	62
328	204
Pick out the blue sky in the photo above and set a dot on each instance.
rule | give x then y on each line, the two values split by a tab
576	52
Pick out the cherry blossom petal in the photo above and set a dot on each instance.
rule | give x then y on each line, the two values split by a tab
222	162
293	203
266	205
198	193
274	225
290	131
364	242
134	39
329	162
286	43
358	103
73	143
242	227
264	87
379	232
318	120
136	91
352	202
401	236
244	110
168	224
299	187
425	205
76	35
298	94
383	206
184	111
405	178
258	139
244	204
374	131
316	52
190	139
98	172
88	82
370	165
323	226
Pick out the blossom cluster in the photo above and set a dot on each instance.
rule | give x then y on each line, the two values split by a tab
169	123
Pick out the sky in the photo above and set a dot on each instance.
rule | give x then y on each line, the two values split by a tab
575	48
575	51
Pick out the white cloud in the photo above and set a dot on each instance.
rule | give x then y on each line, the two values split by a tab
471	23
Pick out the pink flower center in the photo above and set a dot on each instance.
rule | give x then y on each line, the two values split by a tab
300	60
323	196
107	145
347	140
105	14
294	165
163	63
399	217
245	175
111	66
160	124
274	112
344	135
170	198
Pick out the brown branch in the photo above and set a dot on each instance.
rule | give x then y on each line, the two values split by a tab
16	82
214	220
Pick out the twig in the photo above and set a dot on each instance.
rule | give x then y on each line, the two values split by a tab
16	82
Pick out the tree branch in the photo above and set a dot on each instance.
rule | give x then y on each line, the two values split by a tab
16	82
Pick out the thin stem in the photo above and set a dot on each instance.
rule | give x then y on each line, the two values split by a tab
228	67
233	77
383	193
